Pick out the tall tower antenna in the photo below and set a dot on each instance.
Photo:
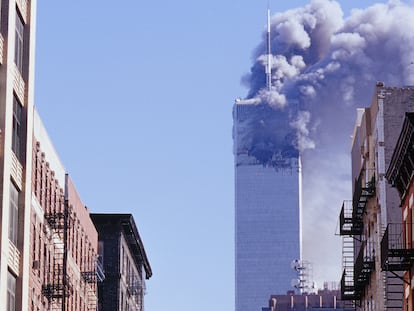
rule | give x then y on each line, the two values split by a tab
269	52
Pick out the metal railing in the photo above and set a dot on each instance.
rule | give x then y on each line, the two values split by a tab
397	252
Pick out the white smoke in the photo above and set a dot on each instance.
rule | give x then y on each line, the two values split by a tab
301	126
324	67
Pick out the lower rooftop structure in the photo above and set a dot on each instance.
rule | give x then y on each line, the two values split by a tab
322	300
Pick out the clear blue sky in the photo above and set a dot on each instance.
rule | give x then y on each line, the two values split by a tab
137	98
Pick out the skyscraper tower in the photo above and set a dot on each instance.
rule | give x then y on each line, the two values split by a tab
267	217
267	199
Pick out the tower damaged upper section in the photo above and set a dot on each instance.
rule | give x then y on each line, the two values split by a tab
320	67
264	135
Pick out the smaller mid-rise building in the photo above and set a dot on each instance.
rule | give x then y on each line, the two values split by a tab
125	263
397	245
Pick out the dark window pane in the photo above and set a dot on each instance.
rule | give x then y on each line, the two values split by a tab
17	128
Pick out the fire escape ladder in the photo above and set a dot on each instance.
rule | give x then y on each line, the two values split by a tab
394	291
57	286
349	294
92	298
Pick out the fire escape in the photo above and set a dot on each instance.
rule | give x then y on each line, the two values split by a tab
136	290
397	256
57	285
357	261
136	283
93	274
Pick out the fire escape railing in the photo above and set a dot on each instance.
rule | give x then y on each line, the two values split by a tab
397	254
352	212
350	222
94	272
362	193
347	287
364	265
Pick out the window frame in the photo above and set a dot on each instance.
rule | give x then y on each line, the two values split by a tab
11	291
13	214
17	131
19	43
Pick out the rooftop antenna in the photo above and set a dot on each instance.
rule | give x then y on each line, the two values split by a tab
268	69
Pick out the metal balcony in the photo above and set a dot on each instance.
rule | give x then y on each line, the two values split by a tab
57	288
352	212
397	254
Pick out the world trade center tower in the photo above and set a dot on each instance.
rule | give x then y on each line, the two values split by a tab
267	205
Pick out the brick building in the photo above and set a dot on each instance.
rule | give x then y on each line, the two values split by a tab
48	242
35	188
398	242
17	22
367	281
64	268
125	262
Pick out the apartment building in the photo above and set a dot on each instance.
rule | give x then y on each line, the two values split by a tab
125	262
48	242
17	22
366	282
43	264
63	245
397	245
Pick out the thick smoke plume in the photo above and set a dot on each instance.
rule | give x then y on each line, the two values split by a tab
324	66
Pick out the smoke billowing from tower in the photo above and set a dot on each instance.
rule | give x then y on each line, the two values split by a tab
323	67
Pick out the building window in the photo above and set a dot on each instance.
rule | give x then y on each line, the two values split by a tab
18	46
11	292
17	128
13	213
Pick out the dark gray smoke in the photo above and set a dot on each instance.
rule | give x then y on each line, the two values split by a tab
324	67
